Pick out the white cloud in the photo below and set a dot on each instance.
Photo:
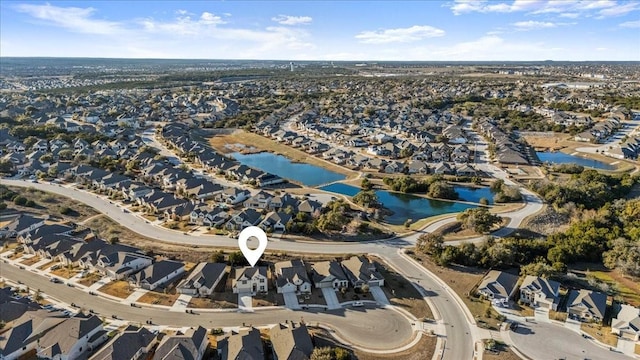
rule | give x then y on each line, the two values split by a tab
211	19
619	10
631	24
570	15
72	18
537	25
292	20
410	34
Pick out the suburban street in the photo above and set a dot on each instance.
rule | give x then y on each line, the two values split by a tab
366	327
460	331
542	340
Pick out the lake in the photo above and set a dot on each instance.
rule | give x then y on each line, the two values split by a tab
306	174
407	206
562	158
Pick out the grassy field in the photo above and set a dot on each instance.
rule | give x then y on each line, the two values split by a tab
600	333
218	142
158	298
52	204
119	288
626	288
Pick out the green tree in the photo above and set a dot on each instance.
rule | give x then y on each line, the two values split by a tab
366	185
442	190
322	353
217	256
366	198
430	243
479	219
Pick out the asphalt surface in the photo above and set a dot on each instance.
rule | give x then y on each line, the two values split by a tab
372	328
459	335
542	340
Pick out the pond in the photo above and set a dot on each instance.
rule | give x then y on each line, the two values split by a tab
306	174
562	158
407	206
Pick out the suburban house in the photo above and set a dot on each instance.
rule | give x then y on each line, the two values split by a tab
243	345
158	274
135	343
498	285
359	270
22	337
203	279
291	342
275	221
250	279
328	274
244	219
21	225
587	305
119	265
627	323
291	277
539	292
190	345
72	338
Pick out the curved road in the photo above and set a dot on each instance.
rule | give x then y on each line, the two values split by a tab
366	327
459	334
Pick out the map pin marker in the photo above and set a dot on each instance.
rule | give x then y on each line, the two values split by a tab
252	256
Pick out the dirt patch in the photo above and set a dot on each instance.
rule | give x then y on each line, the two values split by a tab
600	333
156	298
214	302
272	298
66	272
90	279
30	261
119	288
47	265
550	141
53	205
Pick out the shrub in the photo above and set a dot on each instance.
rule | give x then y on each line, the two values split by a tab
20	200
66	210
30	203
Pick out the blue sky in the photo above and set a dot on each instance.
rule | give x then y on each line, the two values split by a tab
324	30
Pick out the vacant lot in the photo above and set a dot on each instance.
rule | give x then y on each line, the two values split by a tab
119	288
30	261
157	298
218	142
272	298
47	265
52	204
600	333
216	301
90	279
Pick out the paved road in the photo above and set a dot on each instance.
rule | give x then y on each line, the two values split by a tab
543	340
366	327
460	336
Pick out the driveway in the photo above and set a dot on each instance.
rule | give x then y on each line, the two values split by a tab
245	302
331	298
291	301
541	314
379	296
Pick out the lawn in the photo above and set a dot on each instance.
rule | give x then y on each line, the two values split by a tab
158	298
30	261
90	279
119	288
315	298
503	353
16	255
600	333
65	272
463	281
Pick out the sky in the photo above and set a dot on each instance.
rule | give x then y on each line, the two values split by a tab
455	30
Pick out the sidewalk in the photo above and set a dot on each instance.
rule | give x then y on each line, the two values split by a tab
181	303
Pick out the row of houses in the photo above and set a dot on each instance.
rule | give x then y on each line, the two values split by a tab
506	149
629	149
581	304
600	131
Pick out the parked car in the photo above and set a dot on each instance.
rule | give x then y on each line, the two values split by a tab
55	280
357	304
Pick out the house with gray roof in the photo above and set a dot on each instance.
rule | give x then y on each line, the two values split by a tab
292	277
291	342
328	274
203	279
242	345
133	343
498	285
120	264
250	279
540	292
190	345
23	224
587	305
72	339
158	274
22	337
359	270
626	323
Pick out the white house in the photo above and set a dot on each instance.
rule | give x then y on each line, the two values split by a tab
72	338
250	280
119	265
627	323
359	270
203	279
540	292
328	274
